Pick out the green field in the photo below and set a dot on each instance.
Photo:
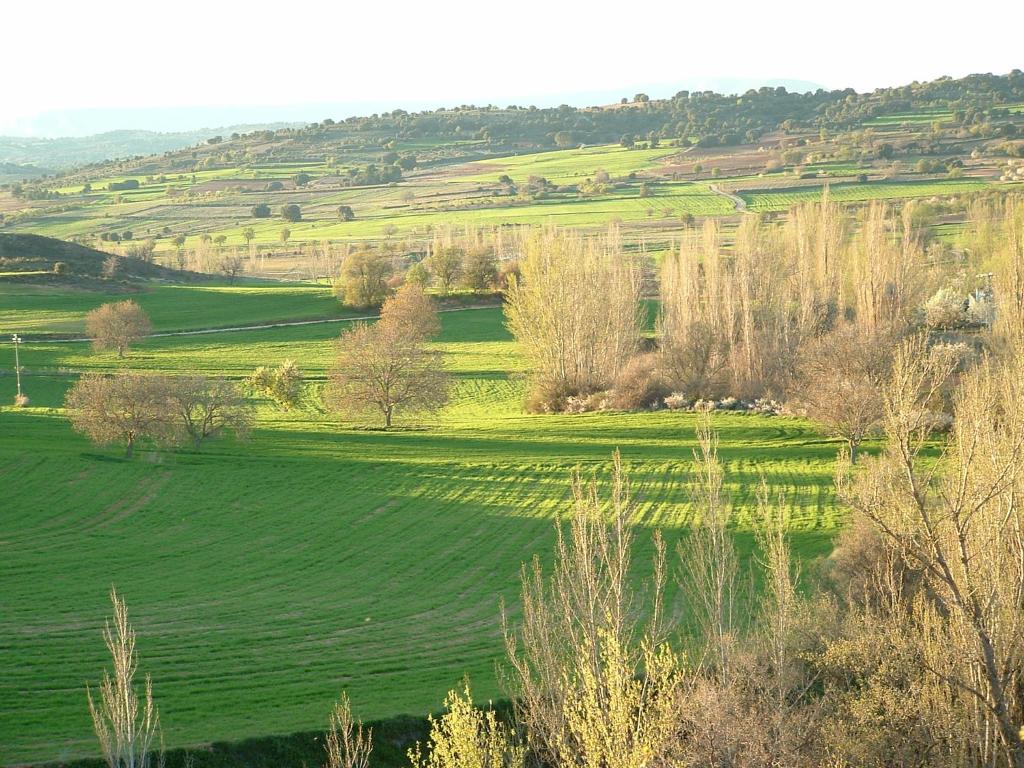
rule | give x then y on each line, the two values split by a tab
265	577
41	309
783	199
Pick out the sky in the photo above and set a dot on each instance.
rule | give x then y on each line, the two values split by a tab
72	66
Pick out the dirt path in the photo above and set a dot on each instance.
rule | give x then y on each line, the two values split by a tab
258	327
737	202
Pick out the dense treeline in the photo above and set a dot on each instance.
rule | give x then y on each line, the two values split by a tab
704	118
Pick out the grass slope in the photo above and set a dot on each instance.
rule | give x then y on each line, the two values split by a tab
264	578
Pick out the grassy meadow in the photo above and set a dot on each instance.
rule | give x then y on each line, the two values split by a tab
265	577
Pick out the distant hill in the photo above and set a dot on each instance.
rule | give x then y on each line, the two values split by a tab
32	258
72	152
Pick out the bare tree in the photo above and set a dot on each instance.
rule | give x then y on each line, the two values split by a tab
123	408
128	729
117	325
388	367
710	565
576	312
231	266
347	744
594	684
959	521
412	312
840	381
206	407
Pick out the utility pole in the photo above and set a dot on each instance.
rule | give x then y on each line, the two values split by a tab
17	365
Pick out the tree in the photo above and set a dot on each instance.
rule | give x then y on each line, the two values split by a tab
958	523
123	408
117	325
346	743
480	268
128	729
594	683
364	278
291	212
445	264
840	381
417	274
345	213
283	385
564	139
284	235
261	211
248	234
388	367
301	179
575	314
231	264
466	737
207	407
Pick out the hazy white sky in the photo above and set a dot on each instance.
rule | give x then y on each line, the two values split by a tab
152	53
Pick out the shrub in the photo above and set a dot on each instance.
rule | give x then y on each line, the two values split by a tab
283	385
639	385
261	211
945	309
677	401
291	212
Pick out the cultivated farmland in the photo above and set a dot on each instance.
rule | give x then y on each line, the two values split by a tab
256	633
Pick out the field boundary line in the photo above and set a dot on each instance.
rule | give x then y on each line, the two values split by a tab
257	327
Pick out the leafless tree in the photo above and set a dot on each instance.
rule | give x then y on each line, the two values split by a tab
959	521
206	407
128	729
117	325
348	745
123	408
389	367
231	265
575	312
840	382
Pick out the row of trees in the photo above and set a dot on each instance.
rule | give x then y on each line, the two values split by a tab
909	651
131	408
368	276
806	312
381	370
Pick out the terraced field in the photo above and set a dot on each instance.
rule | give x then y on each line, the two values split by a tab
265	577
571	165
768	200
